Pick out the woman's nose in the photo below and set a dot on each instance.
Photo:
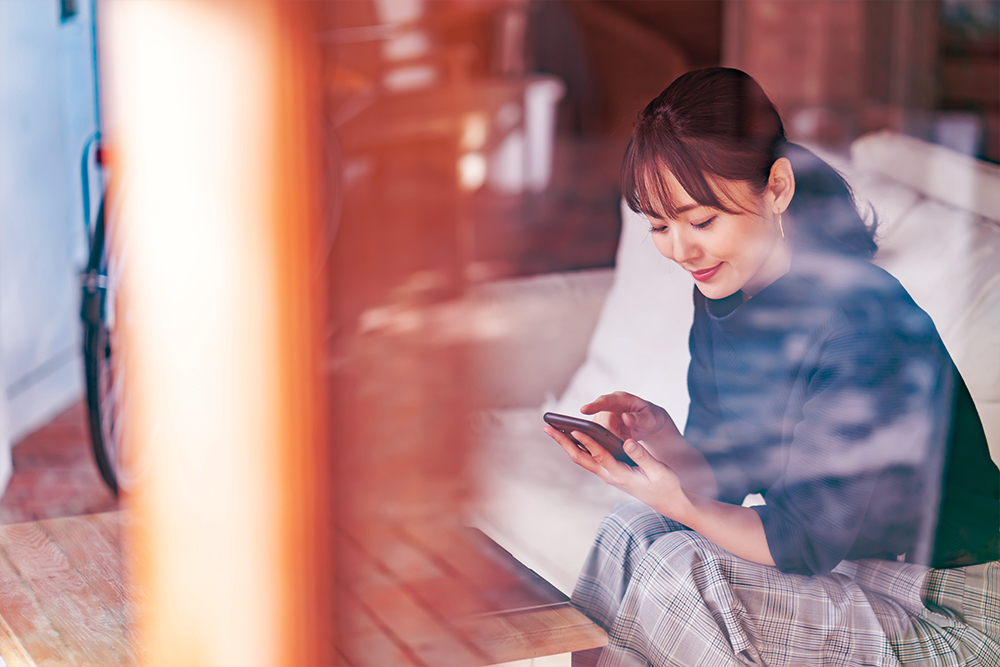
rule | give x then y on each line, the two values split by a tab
683	249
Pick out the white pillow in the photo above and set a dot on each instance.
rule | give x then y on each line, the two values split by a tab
641	341
946	175
949	261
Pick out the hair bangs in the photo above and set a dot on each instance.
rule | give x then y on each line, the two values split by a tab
646	161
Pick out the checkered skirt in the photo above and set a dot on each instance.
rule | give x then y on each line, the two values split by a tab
668	596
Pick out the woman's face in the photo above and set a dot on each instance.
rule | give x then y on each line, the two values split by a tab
724	252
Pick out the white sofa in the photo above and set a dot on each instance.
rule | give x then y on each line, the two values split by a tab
561	339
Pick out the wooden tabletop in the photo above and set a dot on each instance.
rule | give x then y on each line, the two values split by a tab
443	594
427	594
63	600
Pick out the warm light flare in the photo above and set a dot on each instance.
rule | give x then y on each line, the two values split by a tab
192	89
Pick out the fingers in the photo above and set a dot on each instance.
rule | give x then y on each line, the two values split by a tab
659	474
610	421
598	453
576	455
617	402
644	421
634	413
637	452
596	459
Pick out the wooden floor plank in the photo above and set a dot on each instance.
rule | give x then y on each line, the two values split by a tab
89	632
98	561
459	559
526	617
427	637
12	651
32	631
111	524
499	579
448	596
363	642
342	659
115	525
542	592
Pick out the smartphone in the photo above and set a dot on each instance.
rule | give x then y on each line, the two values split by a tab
603	436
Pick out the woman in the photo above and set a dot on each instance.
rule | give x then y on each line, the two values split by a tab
816	382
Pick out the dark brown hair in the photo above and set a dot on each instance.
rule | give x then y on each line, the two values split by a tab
718	122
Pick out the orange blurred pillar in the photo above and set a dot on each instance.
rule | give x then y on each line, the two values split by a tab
212	106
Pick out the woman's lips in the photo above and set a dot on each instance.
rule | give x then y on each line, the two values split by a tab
705	274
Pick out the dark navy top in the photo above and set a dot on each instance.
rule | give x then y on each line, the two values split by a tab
831	393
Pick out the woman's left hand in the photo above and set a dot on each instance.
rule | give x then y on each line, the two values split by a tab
649	481
736	529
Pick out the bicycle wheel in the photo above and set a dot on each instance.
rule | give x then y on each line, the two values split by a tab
103	354
100	383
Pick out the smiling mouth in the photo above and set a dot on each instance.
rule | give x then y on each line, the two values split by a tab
705	274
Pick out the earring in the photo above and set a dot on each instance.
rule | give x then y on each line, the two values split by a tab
780	228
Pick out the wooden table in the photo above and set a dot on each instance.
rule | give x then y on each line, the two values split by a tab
63	600
442	594
428	594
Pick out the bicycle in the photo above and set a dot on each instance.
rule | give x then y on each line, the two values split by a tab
104	362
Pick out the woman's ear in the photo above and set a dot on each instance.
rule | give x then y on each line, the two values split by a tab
781	184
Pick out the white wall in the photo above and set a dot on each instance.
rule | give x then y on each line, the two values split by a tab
46	114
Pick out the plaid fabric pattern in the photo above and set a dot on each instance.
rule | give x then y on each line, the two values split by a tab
668	596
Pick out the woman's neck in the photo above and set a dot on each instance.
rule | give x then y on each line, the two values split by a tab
777	264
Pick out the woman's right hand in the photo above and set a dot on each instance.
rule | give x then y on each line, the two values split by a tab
629	416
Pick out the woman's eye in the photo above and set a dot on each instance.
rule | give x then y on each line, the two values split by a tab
704	225
657	230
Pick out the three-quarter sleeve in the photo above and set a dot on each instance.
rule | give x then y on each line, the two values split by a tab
854	484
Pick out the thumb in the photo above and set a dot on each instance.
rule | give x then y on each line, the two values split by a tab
637	453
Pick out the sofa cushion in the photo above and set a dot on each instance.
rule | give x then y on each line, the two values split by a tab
949	261
539	329
640	344
531	499
935	171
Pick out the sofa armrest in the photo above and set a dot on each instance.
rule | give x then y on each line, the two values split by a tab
934	171
541	331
